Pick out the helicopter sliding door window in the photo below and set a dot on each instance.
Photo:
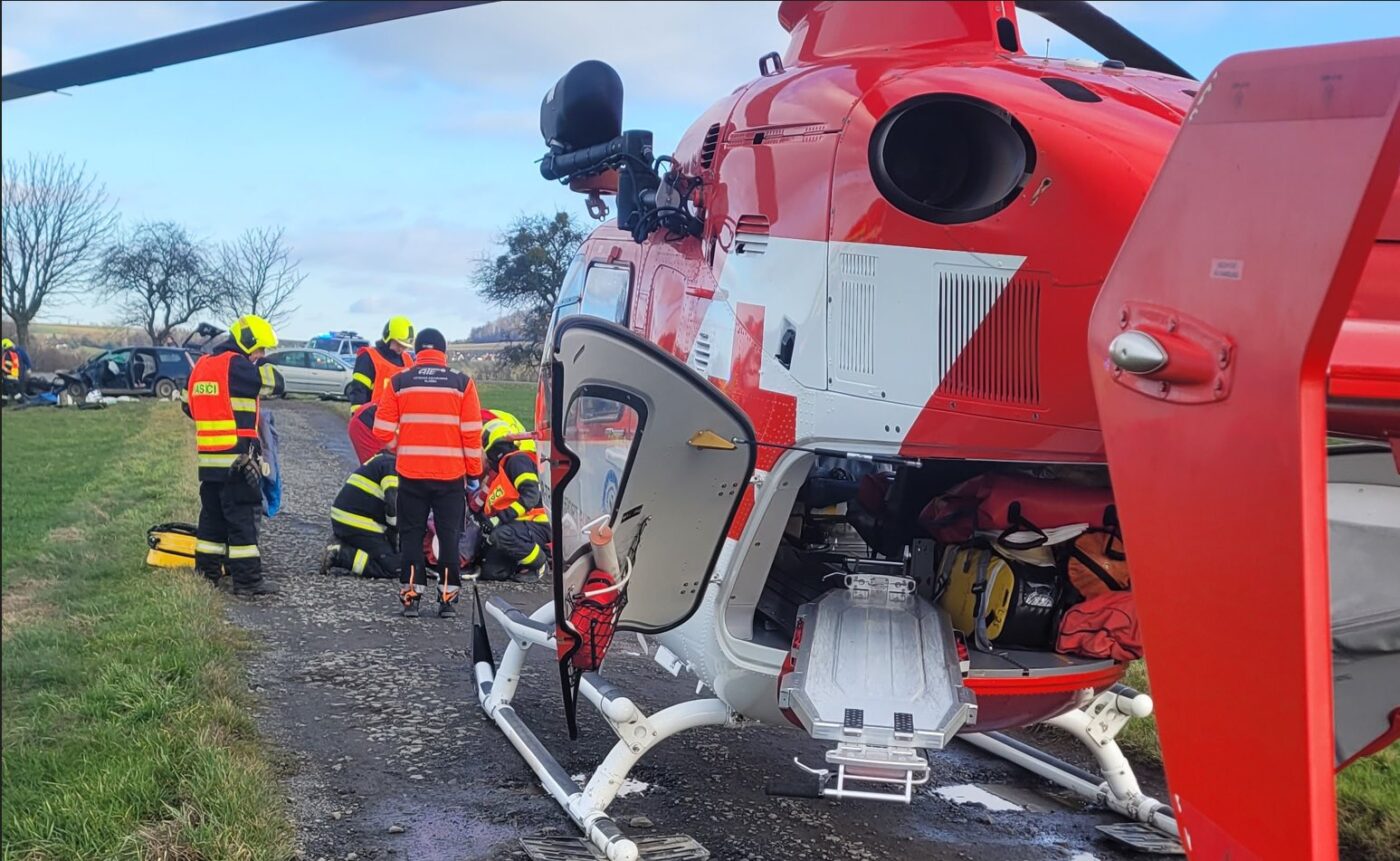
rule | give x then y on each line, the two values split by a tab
599	427
606	292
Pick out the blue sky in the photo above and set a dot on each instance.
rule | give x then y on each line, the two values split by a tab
393	153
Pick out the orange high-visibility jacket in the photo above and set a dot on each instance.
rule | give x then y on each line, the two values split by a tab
431	416
515	486
381	369
223	401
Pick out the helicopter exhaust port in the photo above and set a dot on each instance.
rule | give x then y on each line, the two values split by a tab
950	159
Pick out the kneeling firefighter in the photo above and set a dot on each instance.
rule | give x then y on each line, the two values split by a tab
222	398
513	519
364	520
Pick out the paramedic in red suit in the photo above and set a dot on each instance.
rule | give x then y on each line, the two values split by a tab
374	366
431	415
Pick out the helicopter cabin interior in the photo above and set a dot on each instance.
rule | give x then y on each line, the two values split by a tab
836	516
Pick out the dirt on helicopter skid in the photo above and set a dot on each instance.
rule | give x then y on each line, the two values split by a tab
385	754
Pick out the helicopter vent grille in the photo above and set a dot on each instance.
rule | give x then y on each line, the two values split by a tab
856	299
989	336
707	150
700	353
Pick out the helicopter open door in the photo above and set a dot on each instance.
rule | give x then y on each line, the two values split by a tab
1209	347
647	445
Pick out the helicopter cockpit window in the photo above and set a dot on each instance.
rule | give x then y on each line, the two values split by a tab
600	431
605	292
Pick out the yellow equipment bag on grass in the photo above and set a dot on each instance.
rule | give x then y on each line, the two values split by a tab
172	545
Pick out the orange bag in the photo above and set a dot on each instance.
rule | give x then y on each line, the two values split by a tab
1096	569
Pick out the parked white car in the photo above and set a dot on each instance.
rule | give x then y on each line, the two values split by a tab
312	372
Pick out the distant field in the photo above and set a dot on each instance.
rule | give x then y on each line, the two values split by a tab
59	330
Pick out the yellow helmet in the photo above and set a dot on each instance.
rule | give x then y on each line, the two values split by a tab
6	343
399	330
515	429
493	432
251	333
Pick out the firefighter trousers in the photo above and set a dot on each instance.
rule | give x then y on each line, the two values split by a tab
366	554
518	545
447	500
227	535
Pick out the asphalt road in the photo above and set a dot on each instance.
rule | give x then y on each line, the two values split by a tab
385	754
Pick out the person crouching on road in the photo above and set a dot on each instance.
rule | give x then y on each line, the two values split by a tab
222	398
374	367
514	521
431	415
364	520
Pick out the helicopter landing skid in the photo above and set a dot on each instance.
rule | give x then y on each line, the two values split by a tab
1115	787
637	732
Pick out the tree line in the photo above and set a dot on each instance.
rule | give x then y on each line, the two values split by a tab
63	238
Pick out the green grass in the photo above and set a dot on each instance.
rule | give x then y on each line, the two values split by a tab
1368	792
515	398
126	731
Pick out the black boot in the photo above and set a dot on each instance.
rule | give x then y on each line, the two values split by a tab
328	558
261	586
527	575
408	599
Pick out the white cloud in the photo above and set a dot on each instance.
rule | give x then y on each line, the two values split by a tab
692	51
12	60
425	249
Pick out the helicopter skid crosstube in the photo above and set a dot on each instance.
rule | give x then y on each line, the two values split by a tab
637	732
1095	726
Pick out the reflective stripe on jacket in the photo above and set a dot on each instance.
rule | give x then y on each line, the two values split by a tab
517	476
223	401
368	499
431	415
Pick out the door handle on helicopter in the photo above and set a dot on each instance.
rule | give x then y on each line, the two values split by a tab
1169	356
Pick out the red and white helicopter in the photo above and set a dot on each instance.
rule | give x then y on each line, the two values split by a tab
884	259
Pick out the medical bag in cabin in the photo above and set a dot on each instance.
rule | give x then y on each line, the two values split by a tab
999	602
171	545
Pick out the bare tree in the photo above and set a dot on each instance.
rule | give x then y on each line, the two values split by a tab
536	251
256	275
160	276
57	220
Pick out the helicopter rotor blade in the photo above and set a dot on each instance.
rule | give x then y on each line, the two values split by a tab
268	28
1105	35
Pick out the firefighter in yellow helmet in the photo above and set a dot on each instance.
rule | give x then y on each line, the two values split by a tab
15	366
223	399
374	367
513	519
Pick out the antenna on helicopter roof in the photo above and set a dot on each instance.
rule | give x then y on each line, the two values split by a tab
1047	49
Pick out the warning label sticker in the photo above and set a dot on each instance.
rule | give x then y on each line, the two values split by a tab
1230	270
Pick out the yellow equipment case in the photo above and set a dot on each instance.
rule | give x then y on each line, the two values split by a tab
172	545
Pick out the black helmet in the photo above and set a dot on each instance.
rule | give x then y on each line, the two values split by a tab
430	339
